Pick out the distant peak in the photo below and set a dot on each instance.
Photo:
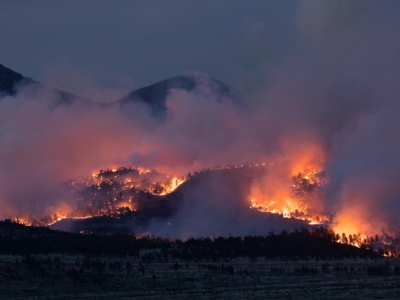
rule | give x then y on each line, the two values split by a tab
155	95
9	79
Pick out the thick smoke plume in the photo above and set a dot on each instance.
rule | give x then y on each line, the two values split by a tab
332	106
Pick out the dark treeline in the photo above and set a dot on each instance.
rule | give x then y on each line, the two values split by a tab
304	244
318	243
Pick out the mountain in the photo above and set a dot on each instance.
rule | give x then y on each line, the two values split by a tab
209	202
155	95
9	81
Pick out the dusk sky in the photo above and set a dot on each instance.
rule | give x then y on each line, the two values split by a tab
119	46
128	44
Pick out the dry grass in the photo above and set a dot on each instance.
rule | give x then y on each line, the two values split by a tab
251	280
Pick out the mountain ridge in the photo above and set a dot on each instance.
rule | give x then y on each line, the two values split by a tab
154	95
9	80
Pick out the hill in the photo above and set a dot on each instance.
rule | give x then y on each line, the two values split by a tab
9	81
155	95
149	201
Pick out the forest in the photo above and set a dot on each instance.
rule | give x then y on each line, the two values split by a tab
317	243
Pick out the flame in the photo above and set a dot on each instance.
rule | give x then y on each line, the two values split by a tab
291	189
109	192
298	198
351	219
169	188
119	186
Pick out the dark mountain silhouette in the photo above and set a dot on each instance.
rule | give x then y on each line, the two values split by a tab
155	95
10	80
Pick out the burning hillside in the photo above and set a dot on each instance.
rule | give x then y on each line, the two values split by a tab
125	193
303	202
115	192
135	197
131	199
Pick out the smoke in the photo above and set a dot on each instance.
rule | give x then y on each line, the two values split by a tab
215	204
44	142
330	105
356	41
365	172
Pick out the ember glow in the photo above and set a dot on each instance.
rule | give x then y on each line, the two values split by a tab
118	190
130	178
301	199
113	192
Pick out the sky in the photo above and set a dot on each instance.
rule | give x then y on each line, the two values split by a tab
129	44
319	79
87	47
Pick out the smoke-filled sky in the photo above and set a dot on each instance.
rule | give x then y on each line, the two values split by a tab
83	45
318	83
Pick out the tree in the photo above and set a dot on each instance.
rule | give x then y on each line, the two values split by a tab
128	267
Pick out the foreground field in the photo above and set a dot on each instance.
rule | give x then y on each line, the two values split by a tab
105	277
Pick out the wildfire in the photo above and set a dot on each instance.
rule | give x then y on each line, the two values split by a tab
113	192
172	185
299	199
118	192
